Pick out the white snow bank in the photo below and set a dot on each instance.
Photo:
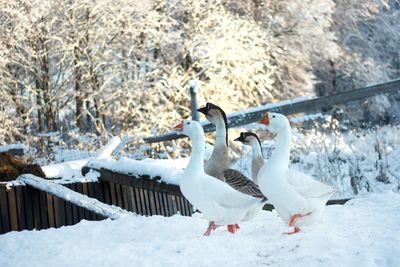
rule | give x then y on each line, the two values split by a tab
81	200
71	170
363	232
170	171
65	170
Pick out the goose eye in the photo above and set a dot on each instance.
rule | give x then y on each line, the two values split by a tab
273	116
187	123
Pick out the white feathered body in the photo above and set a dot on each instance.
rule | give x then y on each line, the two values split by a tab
216	200
291	192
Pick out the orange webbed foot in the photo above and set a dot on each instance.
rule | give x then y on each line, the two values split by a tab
232	228
295	231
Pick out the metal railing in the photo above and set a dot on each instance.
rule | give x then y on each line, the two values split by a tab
291	107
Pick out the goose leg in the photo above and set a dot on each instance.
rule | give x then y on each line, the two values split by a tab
295	231
215	226
294	219
232	228
292	223
211	226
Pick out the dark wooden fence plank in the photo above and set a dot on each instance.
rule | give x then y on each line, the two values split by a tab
134	202
156	203
170	205
113	195
178	205
182	205
160	203
166	205
148	204
27	192
88	214
50	211
106	189
59	212
125	197
44	214
143	202
1	223
118	194
12	206
68	209
129	195
98	191
74	208
5	220
36	209
138	201
91	194
19	194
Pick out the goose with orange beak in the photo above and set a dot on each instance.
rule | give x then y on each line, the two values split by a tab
298	198
217	201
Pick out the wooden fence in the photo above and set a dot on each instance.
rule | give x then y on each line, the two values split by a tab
143	195
26	208
292	107
23	207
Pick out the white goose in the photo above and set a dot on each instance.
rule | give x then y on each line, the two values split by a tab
218	202
257	160
298	199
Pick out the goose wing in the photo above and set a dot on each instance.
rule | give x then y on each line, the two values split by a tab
241	183
225	195
306	186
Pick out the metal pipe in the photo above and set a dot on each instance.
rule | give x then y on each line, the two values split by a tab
194	86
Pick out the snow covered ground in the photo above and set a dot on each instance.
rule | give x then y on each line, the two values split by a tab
363	232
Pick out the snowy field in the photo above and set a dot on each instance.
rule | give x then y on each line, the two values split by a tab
363	232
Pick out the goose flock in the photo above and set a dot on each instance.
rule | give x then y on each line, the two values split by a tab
227	197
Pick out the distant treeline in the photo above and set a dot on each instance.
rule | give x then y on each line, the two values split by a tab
112	66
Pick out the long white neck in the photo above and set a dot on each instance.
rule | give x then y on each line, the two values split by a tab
281	154
220	137
255	145
196	162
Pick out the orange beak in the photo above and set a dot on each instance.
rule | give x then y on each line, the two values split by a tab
178	127
265	119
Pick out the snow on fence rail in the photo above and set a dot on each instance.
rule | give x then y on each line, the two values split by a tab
291	107
14	149
69	195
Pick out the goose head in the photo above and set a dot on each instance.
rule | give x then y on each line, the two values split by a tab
216	116
248	138
275	122
189	128
213	113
